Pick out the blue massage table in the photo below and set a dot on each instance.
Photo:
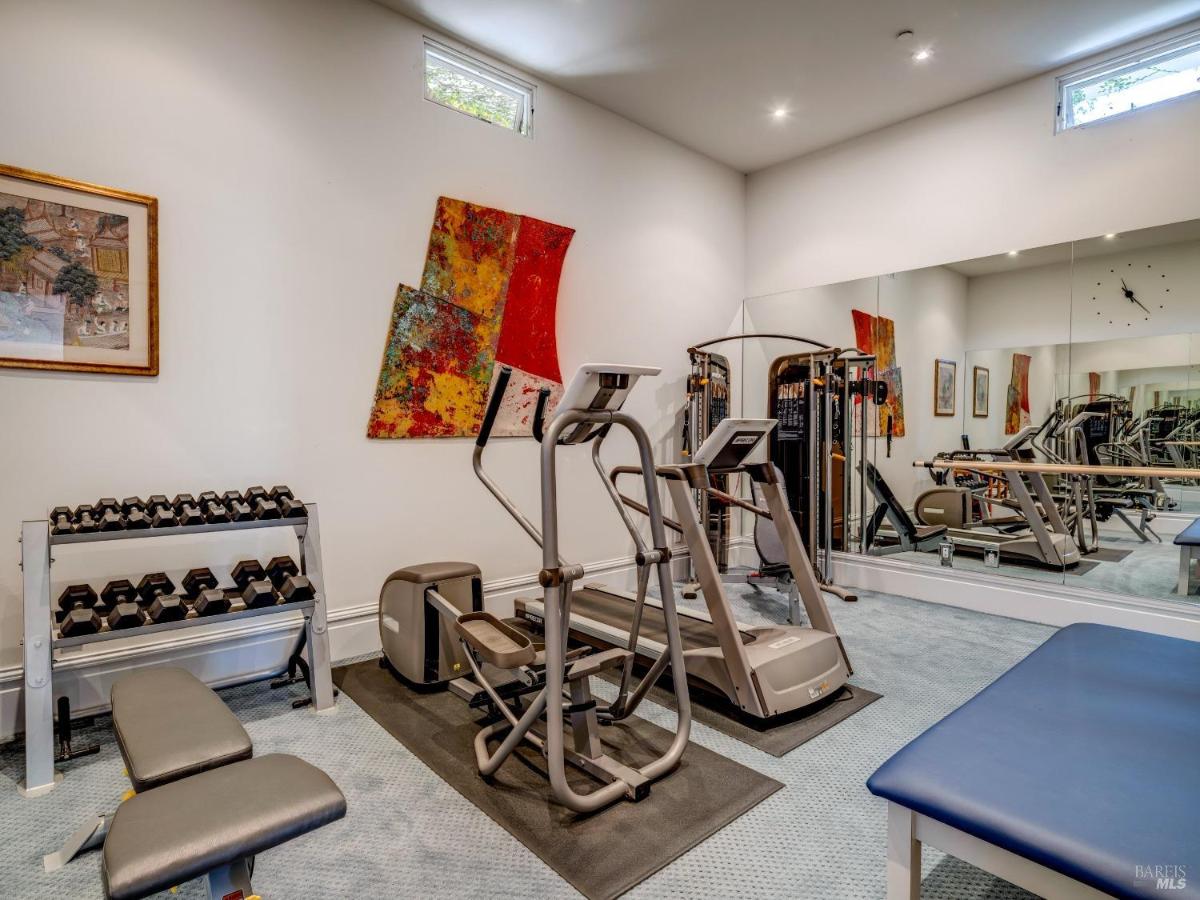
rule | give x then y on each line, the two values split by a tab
1076	774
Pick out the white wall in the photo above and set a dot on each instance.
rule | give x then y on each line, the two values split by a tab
974	179
297	167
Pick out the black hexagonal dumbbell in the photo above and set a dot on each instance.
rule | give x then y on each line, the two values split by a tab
246	571
187	510
259	593
154	585
196	581
108	514
162	514
211	602
61	520
85	518
297	589
289	506
167	608
262	504
279	568
239	509
126	614
78	611
119	591
212	507
135	513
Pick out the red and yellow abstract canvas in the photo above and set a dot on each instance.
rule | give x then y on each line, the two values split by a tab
487	299
1016	410
876	335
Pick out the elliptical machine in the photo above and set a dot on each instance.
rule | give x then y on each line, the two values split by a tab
422	609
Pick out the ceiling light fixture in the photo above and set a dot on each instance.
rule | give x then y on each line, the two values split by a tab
779	112
923	54
1013	252
1109	237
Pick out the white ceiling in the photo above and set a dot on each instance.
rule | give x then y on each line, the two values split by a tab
708	73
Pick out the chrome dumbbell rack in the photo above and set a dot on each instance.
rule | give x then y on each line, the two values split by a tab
41	640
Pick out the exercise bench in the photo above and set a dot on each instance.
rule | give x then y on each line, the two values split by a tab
1073	775
201	804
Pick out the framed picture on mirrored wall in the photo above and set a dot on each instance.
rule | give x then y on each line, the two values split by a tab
78	276
981	379
945	377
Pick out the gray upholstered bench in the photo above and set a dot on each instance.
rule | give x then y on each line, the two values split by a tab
169	725
203	806
213	823
1188	542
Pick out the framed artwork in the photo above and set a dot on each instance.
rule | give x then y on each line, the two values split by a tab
982	380
945	375
78	276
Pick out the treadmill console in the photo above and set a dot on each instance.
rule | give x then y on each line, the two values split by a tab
731	442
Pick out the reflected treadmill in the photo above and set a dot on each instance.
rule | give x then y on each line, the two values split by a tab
765	671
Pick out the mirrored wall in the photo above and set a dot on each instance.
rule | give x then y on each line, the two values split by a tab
1084	353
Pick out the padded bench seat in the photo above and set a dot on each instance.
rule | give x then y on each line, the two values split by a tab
170	725
192	827
1083	760
1190	536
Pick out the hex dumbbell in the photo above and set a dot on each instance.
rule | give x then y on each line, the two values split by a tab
108	514
187	510
239	509
289	506
162	514
135	513
212	507
61	520
85	519
78	611
262	504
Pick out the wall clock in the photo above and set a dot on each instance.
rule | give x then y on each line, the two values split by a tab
1130	293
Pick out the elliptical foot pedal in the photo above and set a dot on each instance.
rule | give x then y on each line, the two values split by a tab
497	642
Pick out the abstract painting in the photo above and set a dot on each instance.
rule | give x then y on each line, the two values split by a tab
1016	411
945	380
982	379
78	276
876	336
487	300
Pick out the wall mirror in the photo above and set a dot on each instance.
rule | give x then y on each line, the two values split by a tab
1081	353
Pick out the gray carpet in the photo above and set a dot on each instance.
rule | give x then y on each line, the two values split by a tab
409	833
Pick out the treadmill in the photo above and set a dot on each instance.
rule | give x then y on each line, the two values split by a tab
765	671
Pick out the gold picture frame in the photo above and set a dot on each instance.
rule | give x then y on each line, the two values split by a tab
78	276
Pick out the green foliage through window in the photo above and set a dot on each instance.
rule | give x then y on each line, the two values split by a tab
454	80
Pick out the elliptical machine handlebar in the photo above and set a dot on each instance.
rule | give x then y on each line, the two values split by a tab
489	417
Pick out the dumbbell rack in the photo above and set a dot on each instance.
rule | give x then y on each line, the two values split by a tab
41	642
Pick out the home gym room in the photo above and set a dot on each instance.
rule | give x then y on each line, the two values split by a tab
551	449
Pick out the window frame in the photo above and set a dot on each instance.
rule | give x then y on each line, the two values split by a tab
1159	51
473	67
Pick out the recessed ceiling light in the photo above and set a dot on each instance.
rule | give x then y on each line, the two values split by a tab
779	112
1109	237
923	54
1013	252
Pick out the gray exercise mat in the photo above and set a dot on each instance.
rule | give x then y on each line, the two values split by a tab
602	855
1109	554
1082	568
783	734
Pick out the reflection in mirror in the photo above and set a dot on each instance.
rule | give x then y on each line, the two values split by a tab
1136	305
1004	381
